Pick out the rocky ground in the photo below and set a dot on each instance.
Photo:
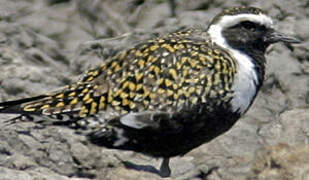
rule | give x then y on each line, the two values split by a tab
47	44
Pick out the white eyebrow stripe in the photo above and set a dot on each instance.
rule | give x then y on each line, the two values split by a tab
215	30
232	20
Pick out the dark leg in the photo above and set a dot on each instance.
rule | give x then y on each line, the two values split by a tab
172	5
165	170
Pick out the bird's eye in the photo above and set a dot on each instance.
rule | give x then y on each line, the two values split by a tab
249	25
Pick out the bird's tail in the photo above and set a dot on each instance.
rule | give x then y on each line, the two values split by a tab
18	106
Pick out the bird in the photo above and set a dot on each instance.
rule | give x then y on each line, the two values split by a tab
168	94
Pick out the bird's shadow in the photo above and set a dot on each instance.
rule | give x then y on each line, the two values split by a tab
137	167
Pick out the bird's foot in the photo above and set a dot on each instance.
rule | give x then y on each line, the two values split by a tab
165	170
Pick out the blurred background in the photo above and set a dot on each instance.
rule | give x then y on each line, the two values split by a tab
46	44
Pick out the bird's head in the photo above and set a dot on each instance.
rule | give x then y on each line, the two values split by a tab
246	28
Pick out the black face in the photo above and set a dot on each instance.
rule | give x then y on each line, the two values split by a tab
248	36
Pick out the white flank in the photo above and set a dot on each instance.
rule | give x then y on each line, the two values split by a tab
131	120
246	77
121	138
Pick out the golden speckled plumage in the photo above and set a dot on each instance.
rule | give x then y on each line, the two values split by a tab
166	73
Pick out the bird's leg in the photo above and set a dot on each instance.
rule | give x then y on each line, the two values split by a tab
172	5
165	170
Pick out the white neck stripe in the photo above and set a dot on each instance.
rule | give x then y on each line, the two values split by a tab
246	78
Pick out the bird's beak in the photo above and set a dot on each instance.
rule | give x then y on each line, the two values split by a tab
274	36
